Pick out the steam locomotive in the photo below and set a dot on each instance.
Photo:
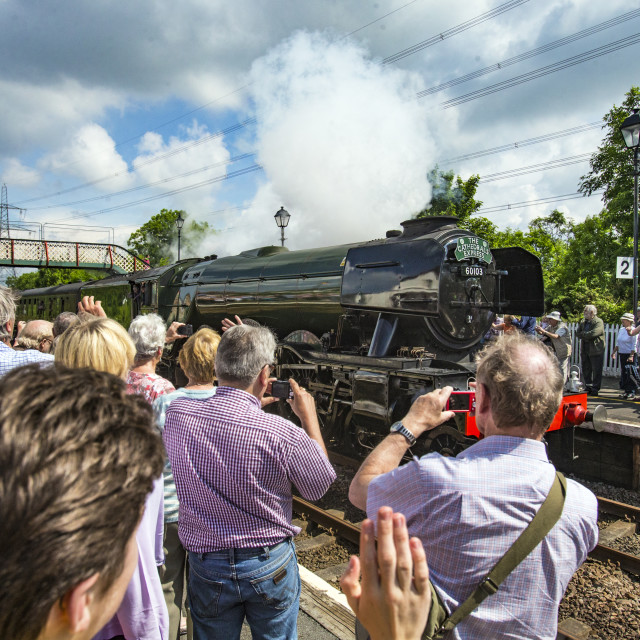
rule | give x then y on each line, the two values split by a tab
365	327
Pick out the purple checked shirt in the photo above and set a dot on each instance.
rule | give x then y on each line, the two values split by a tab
469	510
233	466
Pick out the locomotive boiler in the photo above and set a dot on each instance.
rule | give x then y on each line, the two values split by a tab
365	327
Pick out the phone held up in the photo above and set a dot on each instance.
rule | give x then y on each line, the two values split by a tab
185	330
281	389
462	402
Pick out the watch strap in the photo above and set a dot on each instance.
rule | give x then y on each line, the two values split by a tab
398	427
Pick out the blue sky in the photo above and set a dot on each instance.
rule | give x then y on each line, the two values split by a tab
109	111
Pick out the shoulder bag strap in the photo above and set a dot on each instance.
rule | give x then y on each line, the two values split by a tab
544	520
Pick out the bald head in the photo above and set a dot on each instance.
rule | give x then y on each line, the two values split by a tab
524	382
36	334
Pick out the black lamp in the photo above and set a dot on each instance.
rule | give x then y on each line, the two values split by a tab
179	223
630	129
282	220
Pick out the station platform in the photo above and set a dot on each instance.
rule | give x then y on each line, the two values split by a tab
618	410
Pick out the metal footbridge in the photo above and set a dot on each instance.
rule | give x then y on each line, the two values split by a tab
69	255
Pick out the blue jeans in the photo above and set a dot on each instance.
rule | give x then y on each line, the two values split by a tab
262	584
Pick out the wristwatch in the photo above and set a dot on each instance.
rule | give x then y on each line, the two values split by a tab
398	427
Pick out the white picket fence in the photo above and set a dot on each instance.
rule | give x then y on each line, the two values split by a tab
611	367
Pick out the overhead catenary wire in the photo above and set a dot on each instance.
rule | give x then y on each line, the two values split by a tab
386	15
483	17
530	54
543	71
235	127
228	176
149	185
534	168
228	130
545	137
527	203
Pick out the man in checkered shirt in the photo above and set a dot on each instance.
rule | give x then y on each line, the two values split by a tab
234	466
470	509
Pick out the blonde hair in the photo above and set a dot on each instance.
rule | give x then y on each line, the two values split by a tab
100	344
198	355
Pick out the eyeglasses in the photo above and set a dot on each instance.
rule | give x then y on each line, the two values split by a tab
271	367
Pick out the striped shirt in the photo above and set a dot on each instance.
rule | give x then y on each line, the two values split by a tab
160	406
469	510
10	359
234	466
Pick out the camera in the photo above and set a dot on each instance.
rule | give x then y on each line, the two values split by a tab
462	402
185	330
281	389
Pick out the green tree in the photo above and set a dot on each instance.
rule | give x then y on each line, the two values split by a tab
158	238
53	277
612	168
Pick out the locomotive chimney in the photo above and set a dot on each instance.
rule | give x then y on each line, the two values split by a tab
423	226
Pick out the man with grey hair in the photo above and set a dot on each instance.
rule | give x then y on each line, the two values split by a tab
36	334
470	509
234	466
10	359
591	333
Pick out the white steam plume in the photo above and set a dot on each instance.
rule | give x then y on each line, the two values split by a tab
344	145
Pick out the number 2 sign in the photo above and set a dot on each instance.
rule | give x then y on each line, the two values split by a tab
624	268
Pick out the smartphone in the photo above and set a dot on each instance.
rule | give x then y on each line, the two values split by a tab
281	389
462	402
185	330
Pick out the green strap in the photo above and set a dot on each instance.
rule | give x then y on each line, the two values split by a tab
548	514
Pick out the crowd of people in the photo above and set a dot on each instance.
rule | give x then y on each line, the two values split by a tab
126	505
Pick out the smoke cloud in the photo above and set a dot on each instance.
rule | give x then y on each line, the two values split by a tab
344	145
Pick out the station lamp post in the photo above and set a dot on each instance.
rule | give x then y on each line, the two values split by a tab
179	223
630	129
282	220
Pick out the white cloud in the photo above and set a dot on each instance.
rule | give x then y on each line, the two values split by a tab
46	115
90	156
197	157
15	173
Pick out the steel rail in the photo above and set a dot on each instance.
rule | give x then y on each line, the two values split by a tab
626	561
346	530
618	509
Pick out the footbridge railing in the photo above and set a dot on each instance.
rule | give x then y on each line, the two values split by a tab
69	255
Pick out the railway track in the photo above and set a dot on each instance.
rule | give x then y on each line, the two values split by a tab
351	532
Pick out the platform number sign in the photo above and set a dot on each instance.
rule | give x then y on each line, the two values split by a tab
624	268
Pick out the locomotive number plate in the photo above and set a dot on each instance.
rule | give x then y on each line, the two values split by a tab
472	271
